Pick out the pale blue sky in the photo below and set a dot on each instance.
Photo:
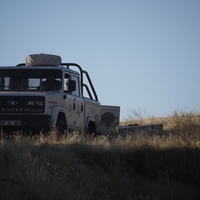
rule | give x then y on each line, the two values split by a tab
141	54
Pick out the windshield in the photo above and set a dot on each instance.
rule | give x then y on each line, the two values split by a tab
30	79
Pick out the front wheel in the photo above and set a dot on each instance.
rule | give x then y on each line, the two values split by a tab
60	125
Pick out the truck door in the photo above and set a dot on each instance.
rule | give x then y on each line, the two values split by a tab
78	106
74	105
69	104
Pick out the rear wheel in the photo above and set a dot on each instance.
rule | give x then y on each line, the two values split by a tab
91	128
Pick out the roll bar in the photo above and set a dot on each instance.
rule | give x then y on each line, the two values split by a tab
82	72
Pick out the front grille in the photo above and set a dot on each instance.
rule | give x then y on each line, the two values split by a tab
15	104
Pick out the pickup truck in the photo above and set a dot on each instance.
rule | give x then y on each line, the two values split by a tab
28	101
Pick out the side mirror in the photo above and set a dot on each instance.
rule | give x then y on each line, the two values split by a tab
71	85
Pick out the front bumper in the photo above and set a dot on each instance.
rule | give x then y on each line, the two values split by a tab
25	122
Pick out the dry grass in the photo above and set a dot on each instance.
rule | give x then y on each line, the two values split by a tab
80	166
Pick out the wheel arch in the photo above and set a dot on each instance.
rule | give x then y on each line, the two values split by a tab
58	113
62	117
91	126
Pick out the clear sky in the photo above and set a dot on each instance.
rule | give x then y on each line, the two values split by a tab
142	55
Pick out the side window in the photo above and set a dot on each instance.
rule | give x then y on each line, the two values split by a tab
77	91
76	79
67	78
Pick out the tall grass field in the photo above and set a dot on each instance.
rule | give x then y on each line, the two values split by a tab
77	166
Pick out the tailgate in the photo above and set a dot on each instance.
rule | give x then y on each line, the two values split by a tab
109	118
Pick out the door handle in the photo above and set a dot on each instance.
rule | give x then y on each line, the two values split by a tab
81	108
74	106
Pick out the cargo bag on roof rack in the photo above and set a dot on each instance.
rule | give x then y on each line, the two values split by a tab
43	59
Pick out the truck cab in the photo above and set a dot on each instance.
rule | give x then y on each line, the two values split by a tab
46	93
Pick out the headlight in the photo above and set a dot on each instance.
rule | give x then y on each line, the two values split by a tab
30	103
39	103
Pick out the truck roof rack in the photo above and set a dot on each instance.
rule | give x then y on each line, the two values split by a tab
21	64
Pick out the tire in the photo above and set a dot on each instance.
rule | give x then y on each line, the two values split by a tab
60	125
91	129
